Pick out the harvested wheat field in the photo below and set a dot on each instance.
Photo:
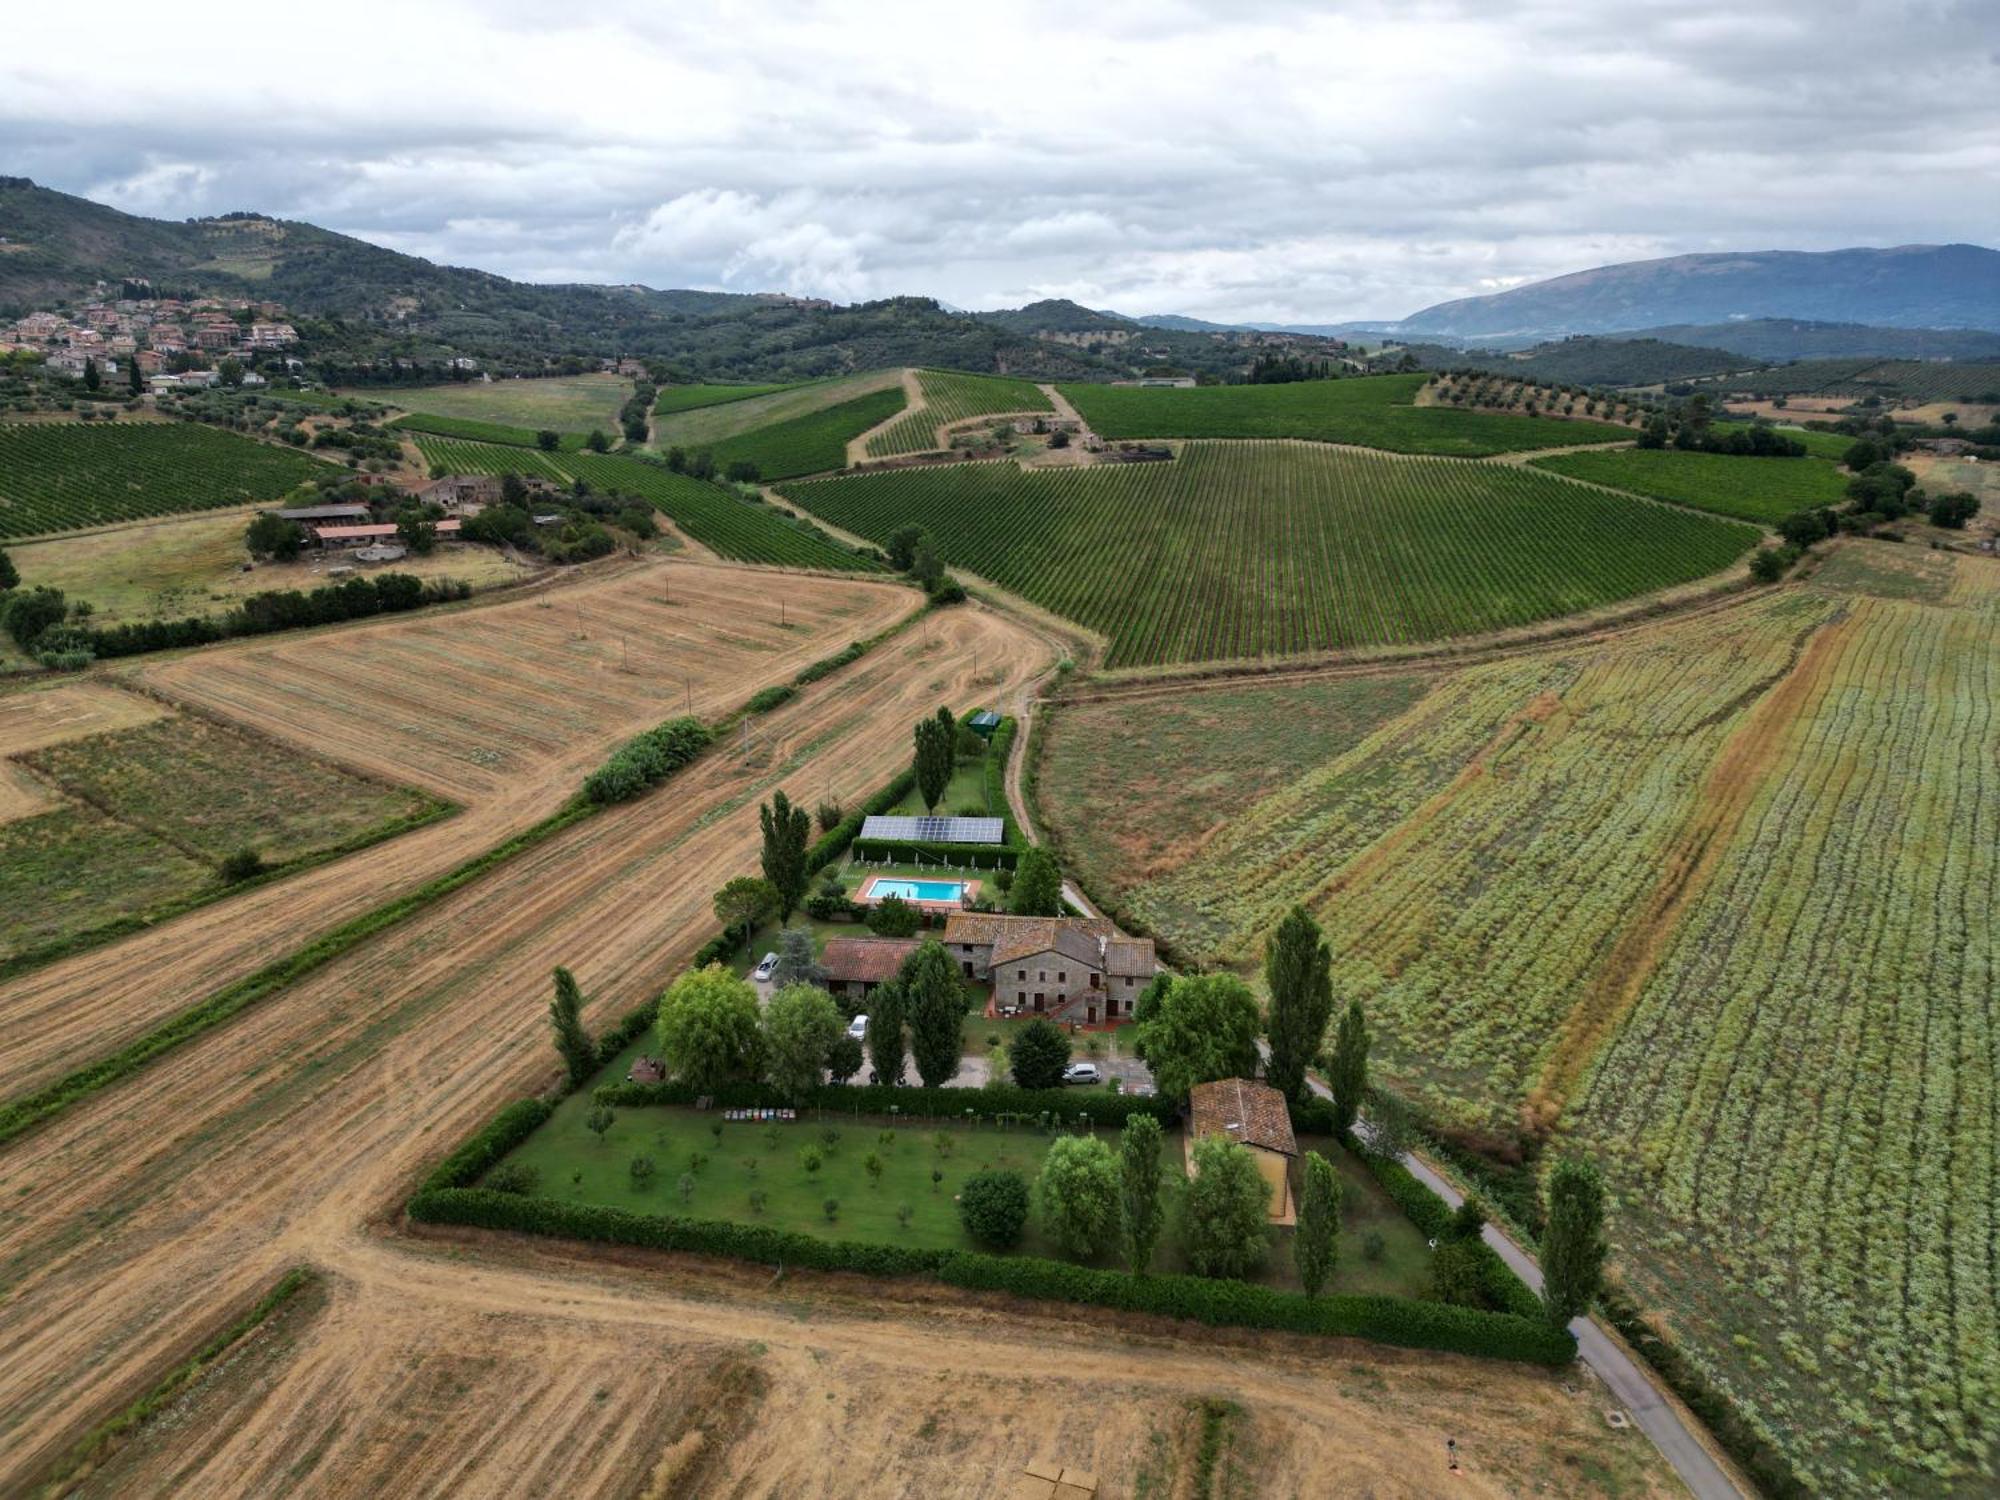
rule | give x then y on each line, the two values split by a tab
654	1376
501	709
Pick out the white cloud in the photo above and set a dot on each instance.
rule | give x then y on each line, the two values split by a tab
1226	158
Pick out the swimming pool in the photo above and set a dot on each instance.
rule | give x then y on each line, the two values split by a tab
916	890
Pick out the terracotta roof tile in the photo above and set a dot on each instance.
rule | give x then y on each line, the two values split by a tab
1244	1110
850	960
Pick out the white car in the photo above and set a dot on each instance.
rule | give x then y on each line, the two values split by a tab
766	968
1085	1072
858	1028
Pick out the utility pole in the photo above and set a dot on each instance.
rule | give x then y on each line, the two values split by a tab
689	681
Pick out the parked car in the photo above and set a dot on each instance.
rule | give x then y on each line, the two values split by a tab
1084	1072
858	1028
766	967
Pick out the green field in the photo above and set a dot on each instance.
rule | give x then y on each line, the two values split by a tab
58	476
715	515
810	444
1765	490
1371	412
490	432
147	815
951	397
1709	901
1892	379
574	1166
568	403
1272	549
676	398
706	426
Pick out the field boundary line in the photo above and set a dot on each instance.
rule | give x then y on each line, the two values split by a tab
103	1439
913	402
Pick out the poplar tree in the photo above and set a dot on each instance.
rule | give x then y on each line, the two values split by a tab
787	833
579	1053
1140	1212
1572	1240
1314	1242
1349	1066
1297	965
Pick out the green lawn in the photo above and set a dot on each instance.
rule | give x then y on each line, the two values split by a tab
1750	489
573	1165
1374	411
677	398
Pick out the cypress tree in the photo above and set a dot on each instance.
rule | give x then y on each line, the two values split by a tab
1140	1211
1296	967
787	833
579	1053
936	1000
885	1032
1572	1240
1350	1065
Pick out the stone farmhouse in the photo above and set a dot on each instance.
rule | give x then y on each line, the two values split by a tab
1074	968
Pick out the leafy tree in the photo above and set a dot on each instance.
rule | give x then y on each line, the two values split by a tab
597	442
843	1058
1140	1209
1768	564
744	904
30	612
1297	965
893	917
1468	1220
902	545
1040	1054
10	576
230	372
787	833
886	1045
1314	1243
797	961
1037	889
245	864
936	1000
599	1120
579	1053
993	1207
707	1028
513	489
418	530
1348	1068
92	377
1224	1231
801	1025
275	537
928	568
1391	1130
548	440
1456	1274
1205	1028
932	762
1079	1190
1954	510
741	471
828	816
1572	1240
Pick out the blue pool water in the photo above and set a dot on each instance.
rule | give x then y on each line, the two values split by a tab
919	890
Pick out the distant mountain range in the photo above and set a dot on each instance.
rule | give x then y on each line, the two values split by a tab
1915	301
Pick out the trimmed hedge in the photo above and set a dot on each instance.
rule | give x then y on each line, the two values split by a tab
997	750
502	1134
635	1024
876	1099
1221	1304
907	851
646	760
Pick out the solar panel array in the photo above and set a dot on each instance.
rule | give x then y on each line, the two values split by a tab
935	830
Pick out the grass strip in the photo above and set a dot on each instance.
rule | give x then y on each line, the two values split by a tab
96	1445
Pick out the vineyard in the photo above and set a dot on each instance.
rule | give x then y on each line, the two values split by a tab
484	432
1371	412
1715	900
1270	549
1765	490
809	444
717	422
950	398
55	476
714	515
675	398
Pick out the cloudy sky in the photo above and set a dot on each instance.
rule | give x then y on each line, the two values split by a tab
1242	159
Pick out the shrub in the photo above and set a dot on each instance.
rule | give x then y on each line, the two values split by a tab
773	697
1456	1274
513	1177
811	1160
1040	1054
993	1206
244	864
893	917
1373	1246
832	1207
642	1170
1079	1192
1224	1228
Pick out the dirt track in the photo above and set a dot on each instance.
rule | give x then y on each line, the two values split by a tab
144	1217
501	709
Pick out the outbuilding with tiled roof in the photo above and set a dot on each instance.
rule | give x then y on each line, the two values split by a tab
1253	1115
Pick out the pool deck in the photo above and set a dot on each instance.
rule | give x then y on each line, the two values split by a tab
968	892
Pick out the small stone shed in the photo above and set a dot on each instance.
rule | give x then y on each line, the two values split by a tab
1253	1115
